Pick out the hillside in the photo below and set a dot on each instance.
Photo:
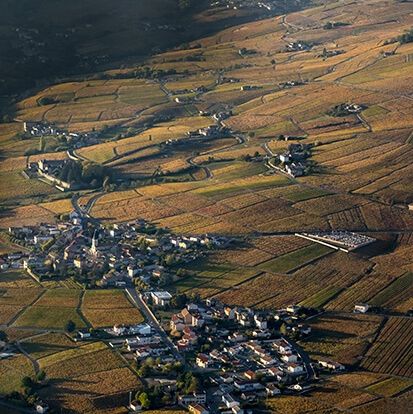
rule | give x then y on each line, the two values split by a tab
44	39
266	133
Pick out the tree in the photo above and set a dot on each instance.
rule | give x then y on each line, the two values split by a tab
144	400
27	382
144	371
41	375
179	301
3	336
70	326
193	385
283	329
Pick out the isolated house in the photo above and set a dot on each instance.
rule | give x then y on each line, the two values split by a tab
361	308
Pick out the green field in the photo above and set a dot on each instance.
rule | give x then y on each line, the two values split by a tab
12	371
320	298
220	191
298	258
390	386
295	194
47	344
398	286
49	317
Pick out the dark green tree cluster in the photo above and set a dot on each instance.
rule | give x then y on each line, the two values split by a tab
334	25
89	173
187	383
406	37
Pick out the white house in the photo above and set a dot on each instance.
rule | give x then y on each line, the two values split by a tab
361	308
161	298
295	368
334	366
289	358
260	322
132	271
41	407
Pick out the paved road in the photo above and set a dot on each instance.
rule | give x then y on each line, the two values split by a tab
150	317
311	374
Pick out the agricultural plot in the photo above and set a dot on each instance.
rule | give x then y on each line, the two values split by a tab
360	292
52	317
330	398
294	260
16	279
47	344
390	386
53	310
104	308
12	371
341	337
89	392
395	293
391	352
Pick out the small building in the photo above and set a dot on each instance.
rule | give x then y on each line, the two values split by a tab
331	365
134	406
289	358
272	390
161	298
294	368
83	335
41	407
361	308
203	361
260	322
192	399
293	308
78	263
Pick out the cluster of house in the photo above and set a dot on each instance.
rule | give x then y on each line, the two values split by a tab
293	160
298	46
249	87
76	139
211	131
290	84
330	53
247	361
345	241
122	253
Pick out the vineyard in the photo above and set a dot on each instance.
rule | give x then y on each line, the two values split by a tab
391	352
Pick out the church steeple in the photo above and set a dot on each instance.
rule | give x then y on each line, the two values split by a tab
93	248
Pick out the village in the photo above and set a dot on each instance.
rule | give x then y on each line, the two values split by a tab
119	255
200	354
72	139
217	358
